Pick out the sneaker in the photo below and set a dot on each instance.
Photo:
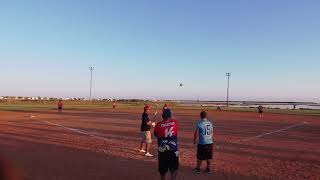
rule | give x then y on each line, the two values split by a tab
196	171
148	155
142	151
208	171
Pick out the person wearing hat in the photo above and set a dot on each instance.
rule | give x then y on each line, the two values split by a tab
146	125
168	154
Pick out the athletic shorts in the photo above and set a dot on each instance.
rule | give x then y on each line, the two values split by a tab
60	107
204	152
168	160
260	112
146	137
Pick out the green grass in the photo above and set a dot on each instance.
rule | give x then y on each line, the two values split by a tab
314	112
36	106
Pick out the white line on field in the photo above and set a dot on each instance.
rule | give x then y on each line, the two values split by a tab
76	130
276	131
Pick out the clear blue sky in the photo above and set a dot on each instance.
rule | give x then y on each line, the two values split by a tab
144	49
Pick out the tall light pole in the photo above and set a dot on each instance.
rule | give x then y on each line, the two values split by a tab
91	70
228	75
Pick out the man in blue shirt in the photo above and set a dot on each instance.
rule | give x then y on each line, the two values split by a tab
204	130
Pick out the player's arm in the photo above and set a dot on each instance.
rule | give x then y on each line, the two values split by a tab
213	131
155	132
149	123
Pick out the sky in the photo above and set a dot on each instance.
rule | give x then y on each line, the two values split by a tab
145	49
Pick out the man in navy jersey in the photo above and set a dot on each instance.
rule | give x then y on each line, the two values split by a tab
168	154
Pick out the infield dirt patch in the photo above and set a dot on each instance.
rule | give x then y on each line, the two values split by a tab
103	144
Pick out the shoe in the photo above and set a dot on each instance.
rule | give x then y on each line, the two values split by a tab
208	171
148	155
142	151
196	171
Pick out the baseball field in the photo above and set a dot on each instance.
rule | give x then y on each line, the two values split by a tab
95	142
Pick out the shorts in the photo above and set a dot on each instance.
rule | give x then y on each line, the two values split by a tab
59	107
168	160
204	152
146	137
260	112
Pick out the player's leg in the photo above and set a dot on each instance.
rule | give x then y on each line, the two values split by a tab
208	157
199	159
163	164
173	165
163	176
199	162
148	143
197	169
208	169
141	147
148	147
174	175
143	141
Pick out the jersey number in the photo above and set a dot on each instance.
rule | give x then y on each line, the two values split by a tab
208	130
169	132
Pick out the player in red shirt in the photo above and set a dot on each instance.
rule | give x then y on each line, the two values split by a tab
168	154
60	106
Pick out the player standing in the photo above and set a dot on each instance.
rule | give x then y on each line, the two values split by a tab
114	105
168	154
204	129
165	107
145	131
260	109
60	106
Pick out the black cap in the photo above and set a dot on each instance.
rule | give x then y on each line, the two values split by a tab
166	114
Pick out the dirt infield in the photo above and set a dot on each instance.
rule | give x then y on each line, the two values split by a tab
98	144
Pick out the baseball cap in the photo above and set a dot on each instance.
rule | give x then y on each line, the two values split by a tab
166	114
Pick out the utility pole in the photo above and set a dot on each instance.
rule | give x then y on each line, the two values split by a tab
228	75
91	70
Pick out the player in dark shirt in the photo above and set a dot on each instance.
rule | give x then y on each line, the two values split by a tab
146	125
260	109
60	106
165	107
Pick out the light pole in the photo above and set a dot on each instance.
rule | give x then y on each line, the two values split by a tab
228	75
91	70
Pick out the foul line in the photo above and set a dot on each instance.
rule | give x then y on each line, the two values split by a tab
76	130
276	131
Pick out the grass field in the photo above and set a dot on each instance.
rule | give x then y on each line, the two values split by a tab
93	141
139	105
